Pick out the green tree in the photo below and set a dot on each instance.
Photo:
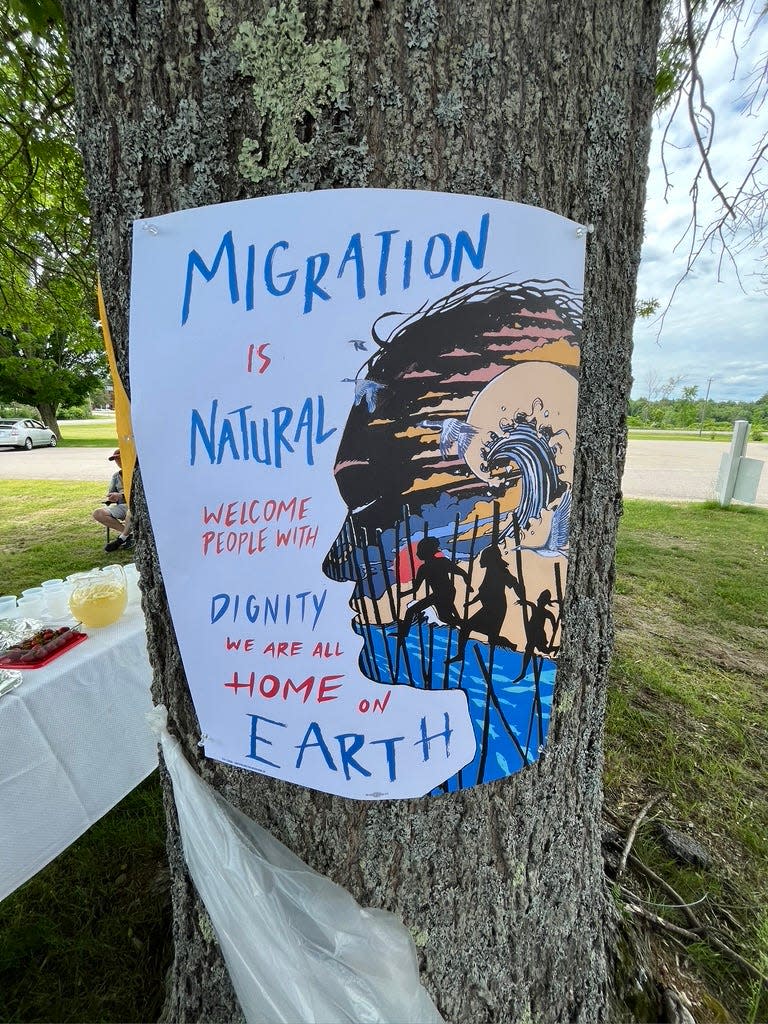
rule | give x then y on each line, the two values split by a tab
51	351
49	371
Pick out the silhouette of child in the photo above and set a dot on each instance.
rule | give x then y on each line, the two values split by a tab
491	594
535	630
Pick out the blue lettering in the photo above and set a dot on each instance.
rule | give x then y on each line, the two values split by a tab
314	730
269	279
243	427
389	746
271	609
348	751
265	456
227	437
386	244
195	262
198	427
476	256
322	436
249	276
407	258
251	608
354	254
281	417
430	252
313	276
426	740
318	606
217	612
255	738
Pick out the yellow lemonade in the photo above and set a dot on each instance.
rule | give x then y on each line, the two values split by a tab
98	604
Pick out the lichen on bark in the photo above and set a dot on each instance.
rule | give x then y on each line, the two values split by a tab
291	79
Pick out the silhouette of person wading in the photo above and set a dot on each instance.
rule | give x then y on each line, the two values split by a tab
438	574
491	594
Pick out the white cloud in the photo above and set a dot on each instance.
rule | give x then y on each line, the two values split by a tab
713	328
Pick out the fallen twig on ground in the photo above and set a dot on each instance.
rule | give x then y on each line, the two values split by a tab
633	832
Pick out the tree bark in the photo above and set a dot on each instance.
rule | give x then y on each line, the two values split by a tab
539	103
48	415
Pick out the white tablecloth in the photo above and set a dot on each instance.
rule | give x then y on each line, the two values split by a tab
73	742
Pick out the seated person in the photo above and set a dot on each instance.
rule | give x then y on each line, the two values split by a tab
116	515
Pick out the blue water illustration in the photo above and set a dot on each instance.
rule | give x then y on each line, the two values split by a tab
510	721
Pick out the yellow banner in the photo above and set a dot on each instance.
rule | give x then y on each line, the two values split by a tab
122	405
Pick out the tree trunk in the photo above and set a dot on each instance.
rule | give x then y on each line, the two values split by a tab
48	415
539	103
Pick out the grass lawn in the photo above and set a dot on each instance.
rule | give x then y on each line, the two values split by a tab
46	531
101	433
643	434
87	938
688	717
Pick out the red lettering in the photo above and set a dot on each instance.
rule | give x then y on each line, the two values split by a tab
214	514
306	687
265	360
326	688
269	686
322	650
284	648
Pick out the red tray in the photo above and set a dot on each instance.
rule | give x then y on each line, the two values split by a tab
72	640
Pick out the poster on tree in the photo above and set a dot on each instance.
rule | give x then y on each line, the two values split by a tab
355	414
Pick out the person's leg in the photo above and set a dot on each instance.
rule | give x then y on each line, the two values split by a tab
105	518
121	523
411	613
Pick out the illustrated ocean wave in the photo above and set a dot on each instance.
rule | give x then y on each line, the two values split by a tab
510	721
525	453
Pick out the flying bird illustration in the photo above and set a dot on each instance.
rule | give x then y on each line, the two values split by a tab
556	543
360	346
452	432
367	390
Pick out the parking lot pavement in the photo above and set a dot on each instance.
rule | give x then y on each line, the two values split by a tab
682	470
57	464
664	470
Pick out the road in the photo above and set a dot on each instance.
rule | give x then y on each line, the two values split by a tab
665	470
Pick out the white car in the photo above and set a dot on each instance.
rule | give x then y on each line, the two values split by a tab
26	434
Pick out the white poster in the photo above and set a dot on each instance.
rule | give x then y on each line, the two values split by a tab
354	413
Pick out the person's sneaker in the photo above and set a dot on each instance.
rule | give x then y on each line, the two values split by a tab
119	543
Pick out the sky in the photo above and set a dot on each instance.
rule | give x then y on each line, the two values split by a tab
713	329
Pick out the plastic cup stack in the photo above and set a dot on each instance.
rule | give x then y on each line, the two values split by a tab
132	577
31	604
57	599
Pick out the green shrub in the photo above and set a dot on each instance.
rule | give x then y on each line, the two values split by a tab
75	412
15	411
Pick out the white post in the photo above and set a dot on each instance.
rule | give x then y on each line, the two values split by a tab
729	467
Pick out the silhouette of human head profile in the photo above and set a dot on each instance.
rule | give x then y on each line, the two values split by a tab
427	548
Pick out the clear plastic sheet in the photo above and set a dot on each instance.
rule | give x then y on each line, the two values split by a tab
10	678
298	947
